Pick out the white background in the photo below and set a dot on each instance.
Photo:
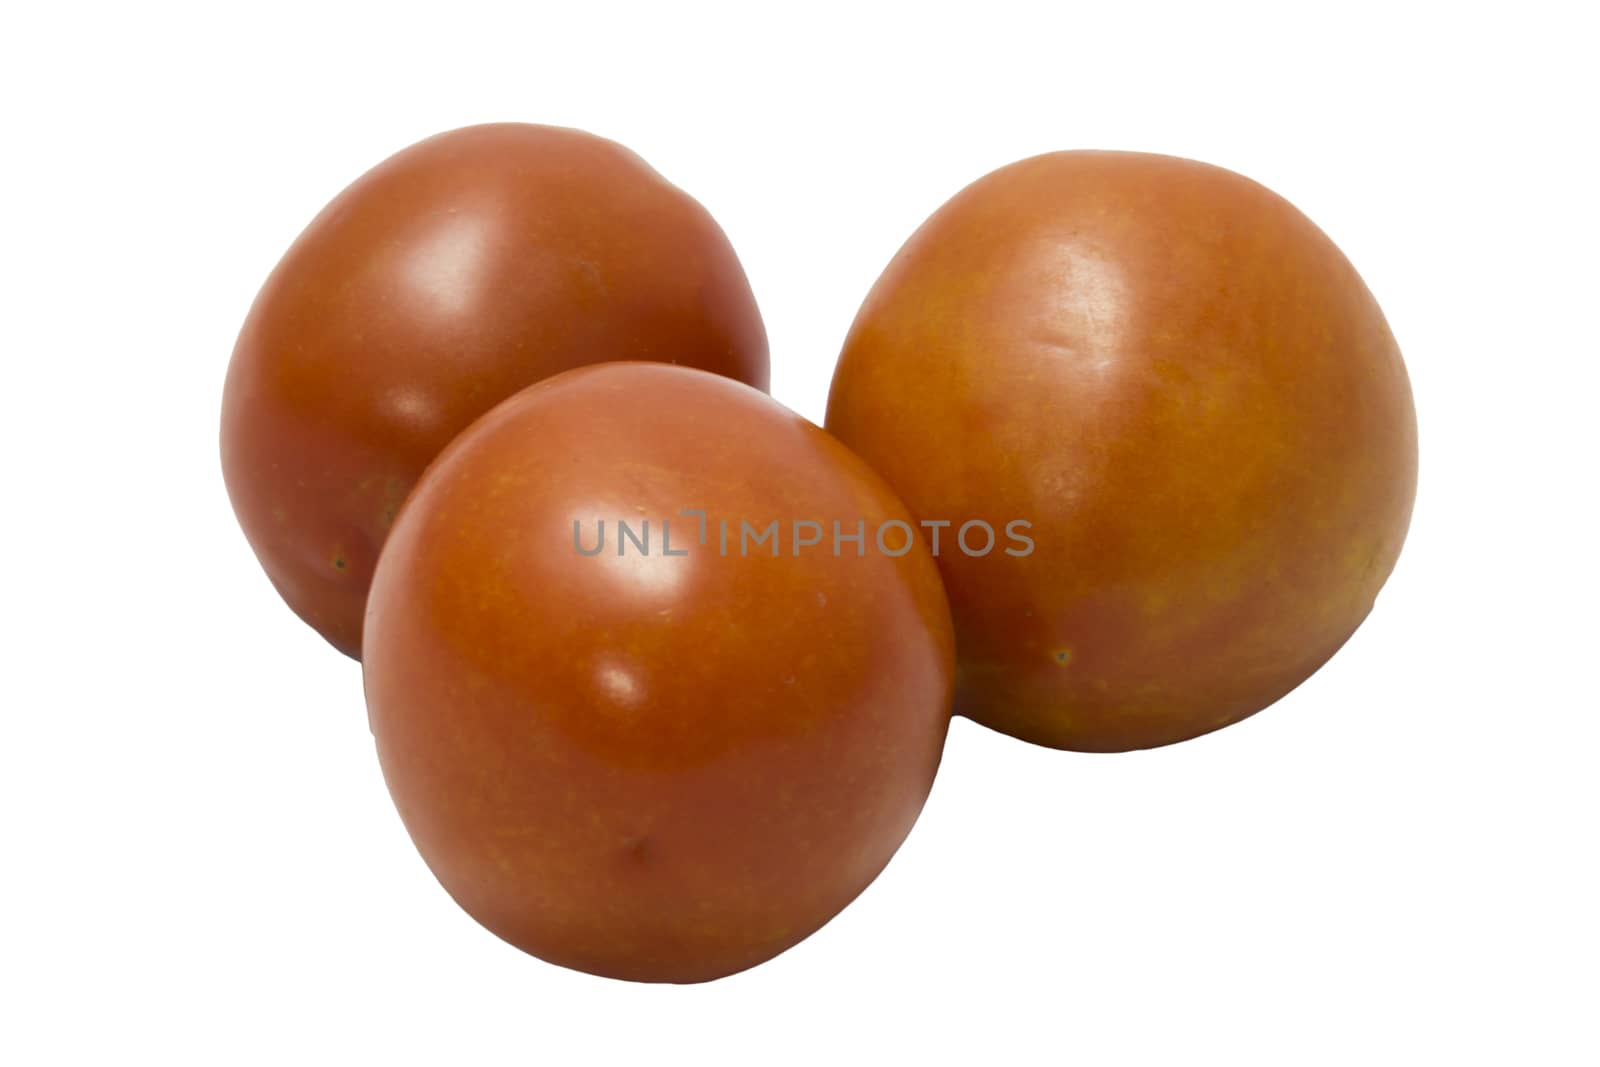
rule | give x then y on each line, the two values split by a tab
1396	864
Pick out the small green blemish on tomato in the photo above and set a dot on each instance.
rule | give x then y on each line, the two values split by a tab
338	562
1063	656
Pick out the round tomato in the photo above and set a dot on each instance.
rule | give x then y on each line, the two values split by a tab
445	279
1187	395
651	693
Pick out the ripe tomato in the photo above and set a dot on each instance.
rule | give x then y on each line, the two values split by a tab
672	752
1186	390
441	282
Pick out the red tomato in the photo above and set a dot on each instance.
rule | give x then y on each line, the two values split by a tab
1185	389
667	759
441	282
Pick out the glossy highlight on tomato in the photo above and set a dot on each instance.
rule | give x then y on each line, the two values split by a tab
1189	392
664	761
441	282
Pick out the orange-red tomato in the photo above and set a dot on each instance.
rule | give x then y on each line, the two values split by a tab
441	282
667	759
1186	389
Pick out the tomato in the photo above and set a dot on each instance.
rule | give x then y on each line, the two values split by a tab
445	279
1186	391
642	711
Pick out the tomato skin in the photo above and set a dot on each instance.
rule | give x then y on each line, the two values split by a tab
442	281
652	767
1187	390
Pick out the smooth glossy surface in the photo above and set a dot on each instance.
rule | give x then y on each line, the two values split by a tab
650	766
1187	389
442	281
